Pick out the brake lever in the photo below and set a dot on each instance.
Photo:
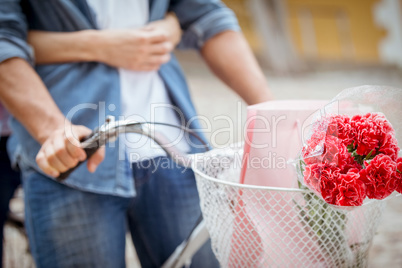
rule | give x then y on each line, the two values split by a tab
111	130
91	143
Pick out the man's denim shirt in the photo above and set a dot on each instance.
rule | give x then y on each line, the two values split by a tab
89	90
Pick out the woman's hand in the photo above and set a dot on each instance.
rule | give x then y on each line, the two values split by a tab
140	49
170	25
143	49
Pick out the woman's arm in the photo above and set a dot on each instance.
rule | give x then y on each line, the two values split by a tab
141	49
55	47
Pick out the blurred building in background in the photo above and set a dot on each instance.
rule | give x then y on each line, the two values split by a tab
294	34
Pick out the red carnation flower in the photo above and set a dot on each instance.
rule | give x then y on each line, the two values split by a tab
314	147
390	146
338	150
340	126
332	151
398	175
323	178
371	131
352	191
335	152
379	177
312	175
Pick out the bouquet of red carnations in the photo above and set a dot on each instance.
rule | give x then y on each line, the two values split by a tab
351	155
350	158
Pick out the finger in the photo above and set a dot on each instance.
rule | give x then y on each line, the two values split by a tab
155	36
150	68
161	48
82	131
52	158
96	159
73	142
60	146
148	28
45	166
76	152
158	60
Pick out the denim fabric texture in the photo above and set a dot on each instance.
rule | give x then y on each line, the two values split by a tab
73	228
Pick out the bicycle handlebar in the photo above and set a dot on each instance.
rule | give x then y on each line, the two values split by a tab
111	130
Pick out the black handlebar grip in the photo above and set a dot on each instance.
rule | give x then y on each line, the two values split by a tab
89	152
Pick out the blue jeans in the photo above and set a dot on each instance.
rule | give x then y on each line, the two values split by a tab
71	228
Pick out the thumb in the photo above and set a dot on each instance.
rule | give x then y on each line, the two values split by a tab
148	28
96	159
82	131
74	133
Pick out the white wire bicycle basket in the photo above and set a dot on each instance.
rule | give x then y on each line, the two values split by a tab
253	226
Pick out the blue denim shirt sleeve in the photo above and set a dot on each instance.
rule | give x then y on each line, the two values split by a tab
202	19
13	31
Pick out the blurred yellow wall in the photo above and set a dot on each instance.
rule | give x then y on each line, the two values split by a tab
322	30
240	7
334	29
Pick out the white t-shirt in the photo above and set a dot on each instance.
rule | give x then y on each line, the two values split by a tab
143	94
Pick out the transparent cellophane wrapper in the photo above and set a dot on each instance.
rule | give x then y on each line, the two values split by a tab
344	233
